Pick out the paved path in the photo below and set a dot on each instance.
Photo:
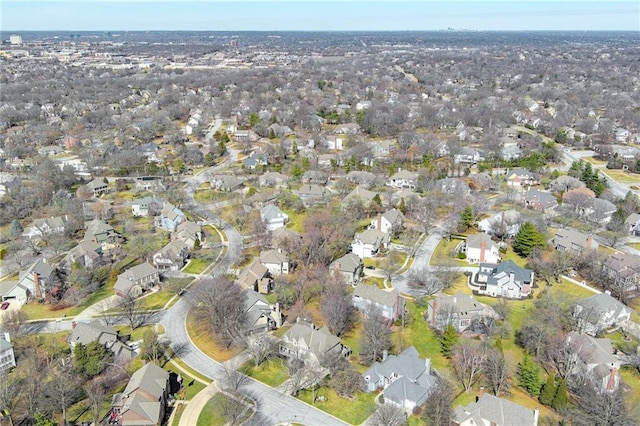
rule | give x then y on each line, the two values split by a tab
98	308
193	408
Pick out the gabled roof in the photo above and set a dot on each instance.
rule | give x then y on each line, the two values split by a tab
405	174
393	216
150	378
570	238
271	212
85	333
377	295
494	410
40	267
97	227
591	350
361	194
372	237
273	257
463	305
319	341
596	306
546	199
128	278
504	269
97	183
255	271
475	241
347	263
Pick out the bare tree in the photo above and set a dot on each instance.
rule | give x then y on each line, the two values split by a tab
600	408
388	415
437	410
10	393
260	347
220	305
376	337
153	349
232	409
496	371
467	362
346	382
131	310
336	306
62	389
13	320
232	378
96	392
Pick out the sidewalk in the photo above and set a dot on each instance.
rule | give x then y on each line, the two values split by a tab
193	408
98	308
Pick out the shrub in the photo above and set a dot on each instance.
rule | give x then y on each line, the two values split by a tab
462	255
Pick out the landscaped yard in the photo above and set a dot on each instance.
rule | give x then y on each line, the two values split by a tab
156	300
209	196
296	220
443	254
190	386
212	414
272	372
196	265
351	411
202	338
623	177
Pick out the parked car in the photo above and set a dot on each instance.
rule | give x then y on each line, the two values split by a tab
370	267
4	306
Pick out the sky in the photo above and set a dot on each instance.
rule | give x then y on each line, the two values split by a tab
314	15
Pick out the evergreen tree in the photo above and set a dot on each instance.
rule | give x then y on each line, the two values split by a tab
80	357
16	229
548	390
448	340
377	200
561	398
527	239
529	375
466	218
402	207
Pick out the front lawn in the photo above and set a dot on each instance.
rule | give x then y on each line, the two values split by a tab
202	338
296	220
190	386
623	177
443	255
212	414
156	300
196	265
272	372
353	411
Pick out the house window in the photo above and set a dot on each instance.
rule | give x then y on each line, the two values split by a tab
367	379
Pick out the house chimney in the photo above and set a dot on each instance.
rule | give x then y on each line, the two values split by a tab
589	243
379	222
481	393
611	384
36	284
483	246
7	337
74	325
434	313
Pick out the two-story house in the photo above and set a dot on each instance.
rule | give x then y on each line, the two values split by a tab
134	281
171	257
307	342
261	316
600	312
147	206
350	266
594	359
144	401
312	194
276	261
573	241
98	187
189	233
273	217
106	335
368	243
624	269
47	226
406	380
462	311
388	302
505	279
489	410
519	178
480	248
403	179
87	254
169	218
226	183
390	222
256	277
34	282
102	233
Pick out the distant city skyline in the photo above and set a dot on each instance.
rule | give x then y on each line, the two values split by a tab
313	15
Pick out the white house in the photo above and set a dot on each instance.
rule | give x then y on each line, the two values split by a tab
505	279
276	261
273	217
389	222
7	357
403	179
597	313
388	302
481	248
368	243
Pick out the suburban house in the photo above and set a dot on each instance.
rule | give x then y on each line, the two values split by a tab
171	257
97	187
507	223
147	206
261	315
505	279
573	241
403	179
468	155
189	233
311	194
101	233
489	410
633	224
255	160
144	401
149	184
134	281
169	218
600	211
360	196
7	357
35	281
388	302
623	268
595	359
350	266
315	176
47	226
480	248
368	243
390	222
406	380
600	312
276	261
621	134
273	217
273	180
106	335
307	342
256	277
87	254
539	201
226	183
462	311
519	178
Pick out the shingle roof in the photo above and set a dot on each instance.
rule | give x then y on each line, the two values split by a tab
475	240
377	295
498	411
599	304
347	263
85	333
273	256
271	212
319	341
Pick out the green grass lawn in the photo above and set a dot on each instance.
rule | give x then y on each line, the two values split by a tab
634	245
190	387
351	411
443	253
272	372
511	255
202	338
209	196
191	372
212	414
212	234
296	220
136	334
623	177
196	265
156	300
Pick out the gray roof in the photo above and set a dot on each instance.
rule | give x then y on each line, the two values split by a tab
546	199
393	216
85	333
406	363
475	240
347	263
360	194
128	278
271	212
273	256
319	341
521	275
150	378
40	267
256	306
4	345
373	236
464	305
591	350
600	304
572	239
494	410
377	295
312	190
